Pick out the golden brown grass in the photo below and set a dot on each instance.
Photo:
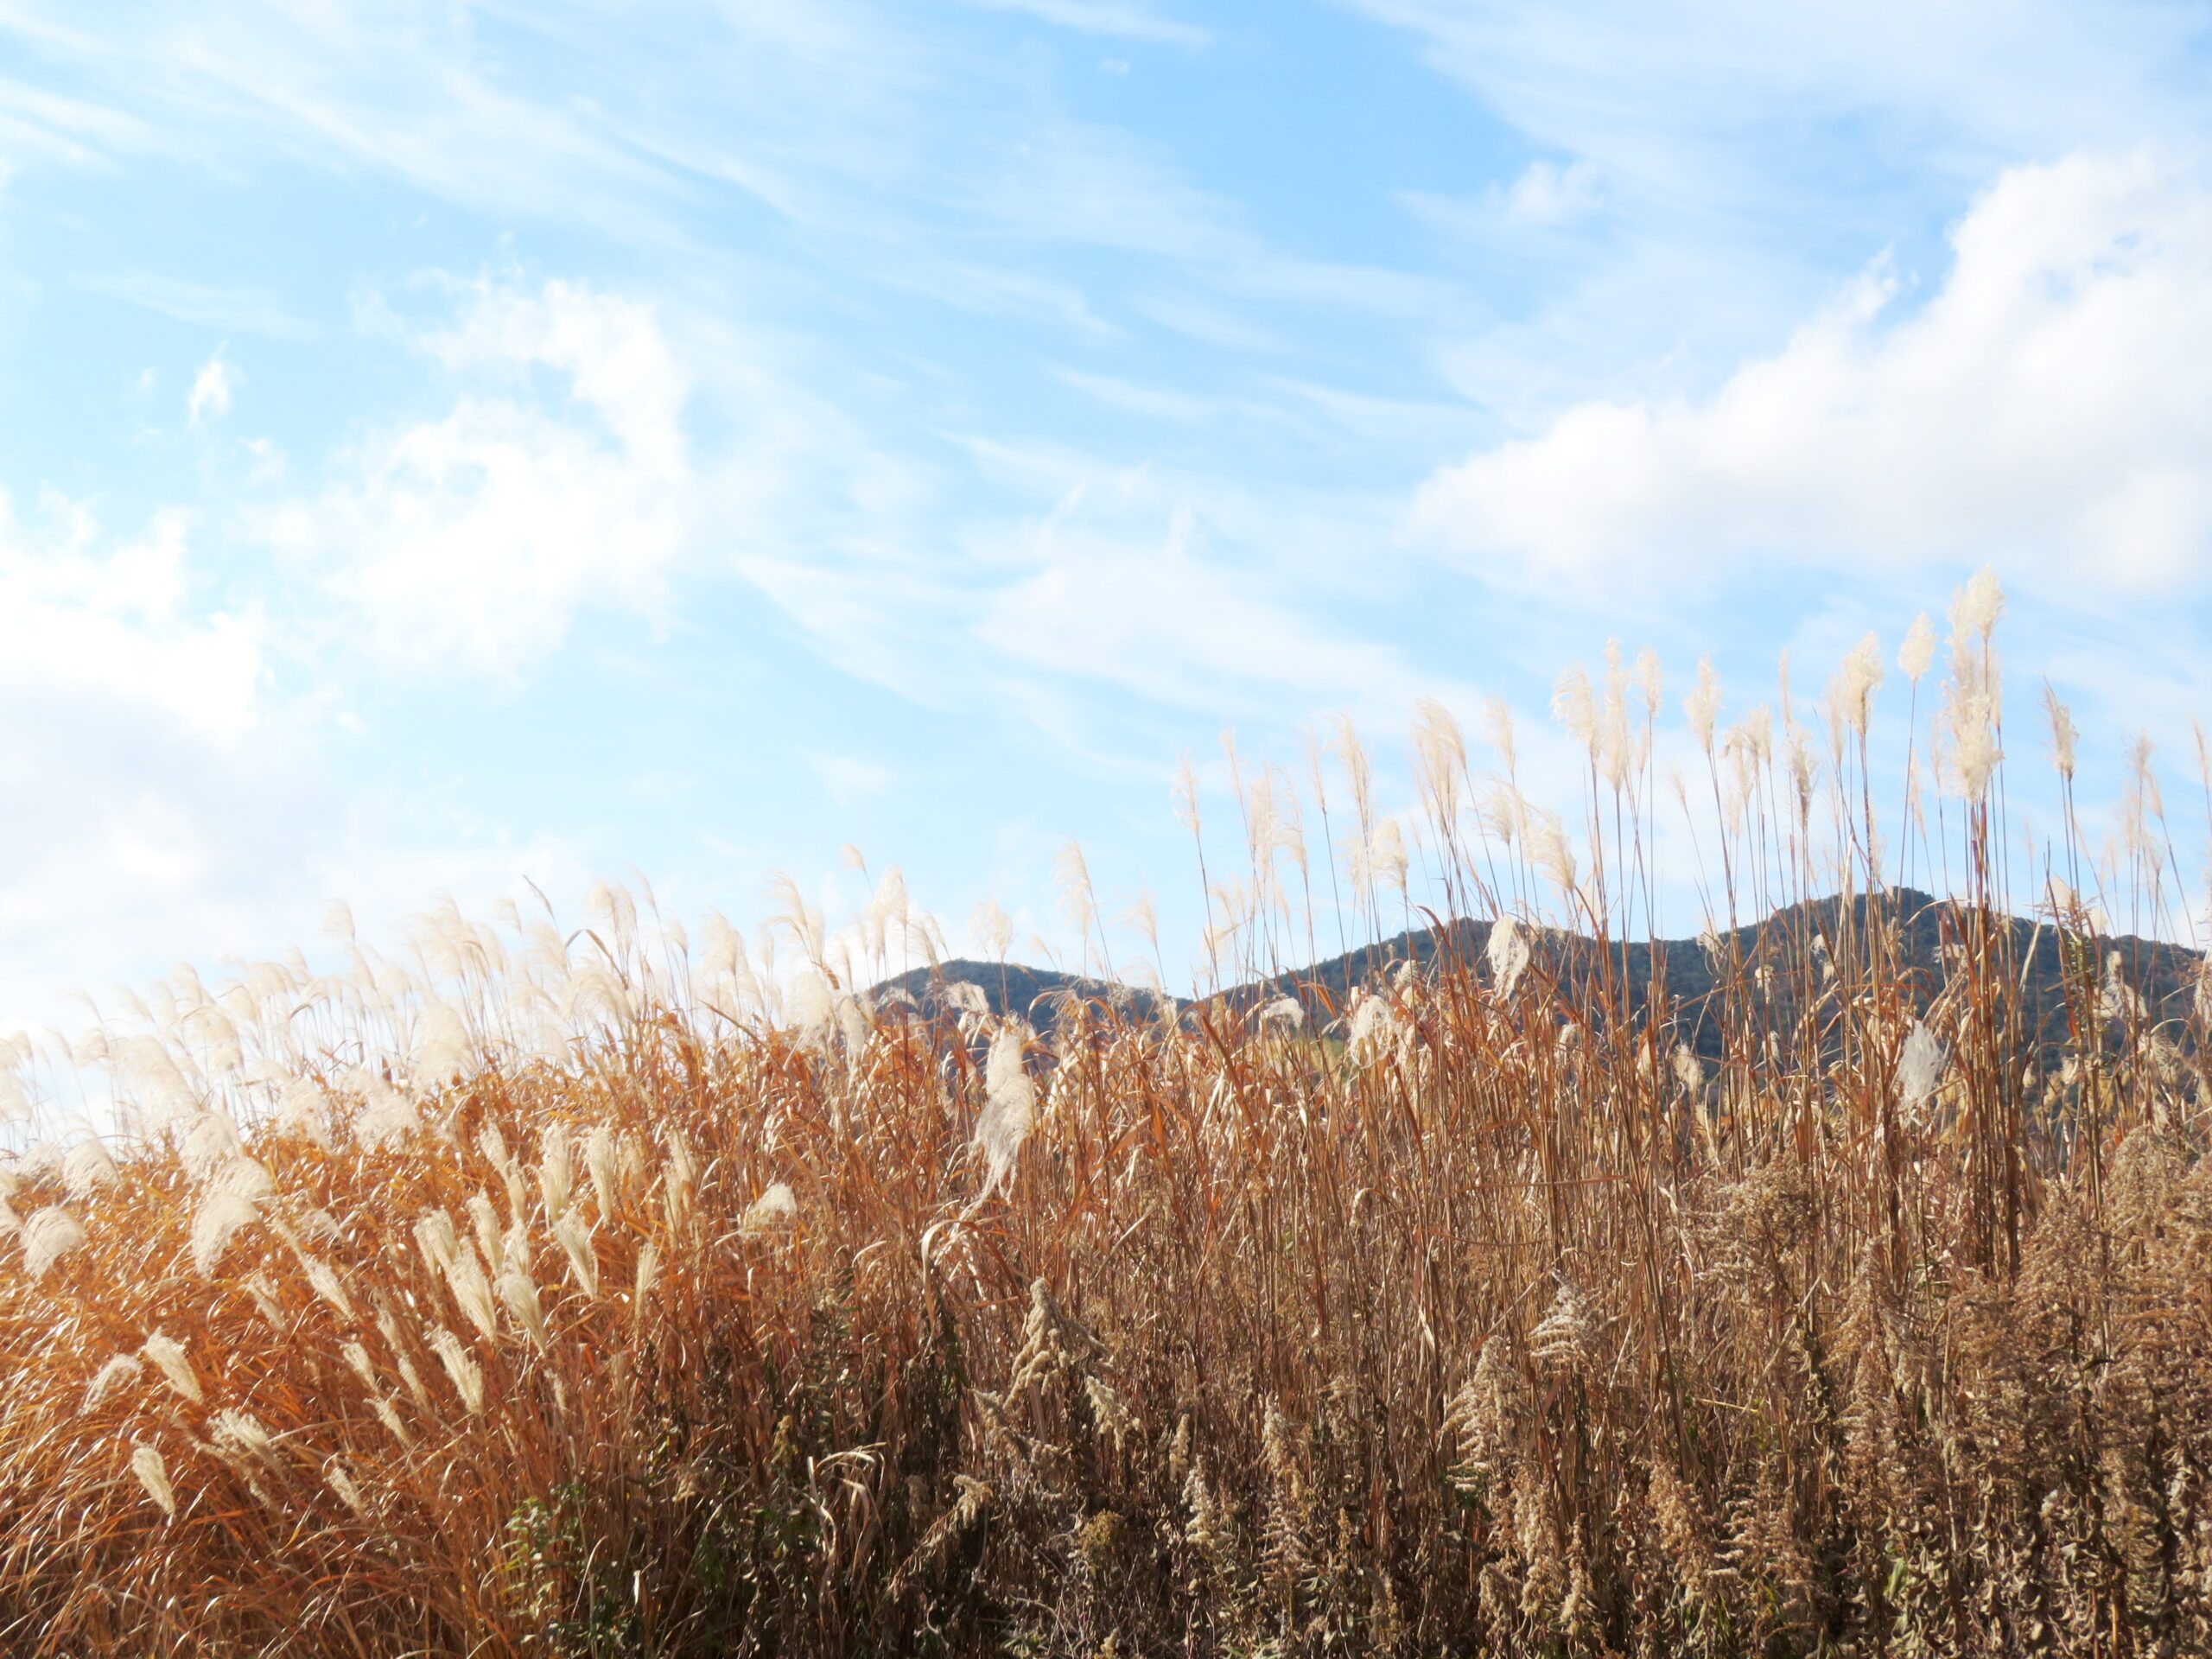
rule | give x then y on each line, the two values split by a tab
521	1300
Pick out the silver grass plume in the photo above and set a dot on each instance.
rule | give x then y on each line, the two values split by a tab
1009	1104
774	1211
153	1476
168	1356
49	1234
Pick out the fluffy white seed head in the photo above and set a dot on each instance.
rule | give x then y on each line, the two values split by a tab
773	1212
215	1223
1507	952
167	1354
119	1371
87	1168
1920	1068
2063	734
1704	704
574	1240
518	1294
1009	1104
1918	652
467	1377
153	1475
49	1234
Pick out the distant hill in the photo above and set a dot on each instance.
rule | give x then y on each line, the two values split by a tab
1011	988
2164	974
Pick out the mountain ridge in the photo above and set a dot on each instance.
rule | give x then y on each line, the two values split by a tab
2163	973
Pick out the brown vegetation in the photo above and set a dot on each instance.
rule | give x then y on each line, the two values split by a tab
523	1301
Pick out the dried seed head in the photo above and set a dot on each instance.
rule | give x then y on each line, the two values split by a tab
168	1356
518	1293
49	1234
1009	1104
123	1368
1507	951
467	1377
1918	652
218	1221
574	1238
773	1212
87	1168
153	1475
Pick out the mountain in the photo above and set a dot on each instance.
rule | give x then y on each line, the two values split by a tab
2164	974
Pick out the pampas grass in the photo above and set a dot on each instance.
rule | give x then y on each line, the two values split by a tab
538	1294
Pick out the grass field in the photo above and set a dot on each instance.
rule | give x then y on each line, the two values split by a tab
527	1292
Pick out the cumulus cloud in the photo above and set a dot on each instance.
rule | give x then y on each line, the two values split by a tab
473	541
2038	407
94	621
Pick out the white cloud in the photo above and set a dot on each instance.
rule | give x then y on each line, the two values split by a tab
473	540
1150	585
99	624
1103	17
212	390
1549	194
2038	409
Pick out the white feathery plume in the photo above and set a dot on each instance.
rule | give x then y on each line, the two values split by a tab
1497	727
1689	1071
1508	952
342	1484
1386	855
87	1168
556	1176
153	1475
123	1368
387	1118
1575	708
220	1218
1440	754
358	1362
2063	734
467	1377
575	1239
472	1291
1186	795
1851	693
1009	1103
1702	706
1918	652
1651	680
243	1434
773	1212
49	1234
599	1160
304	1109
519	1294
991	928
1976	606
245	1178
1285	1014
210	1143
323	1280
1920	1068
436	1237
442	1050
484	1220
168	1356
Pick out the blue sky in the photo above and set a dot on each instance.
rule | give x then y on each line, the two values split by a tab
447	445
